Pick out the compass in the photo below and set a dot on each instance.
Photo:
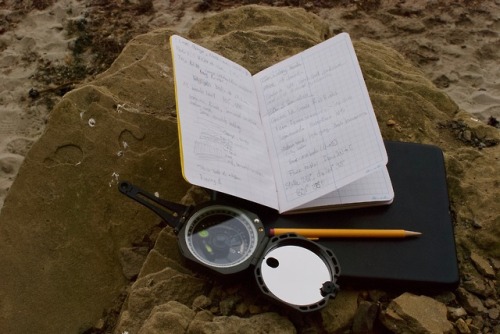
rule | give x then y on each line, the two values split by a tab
221	237
228	240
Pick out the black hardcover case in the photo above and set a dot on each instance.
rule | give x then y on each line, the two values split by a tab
421	203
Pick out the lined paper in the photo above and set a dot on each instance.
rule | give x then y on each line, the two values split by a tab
223	143
319	122
375	187
294	135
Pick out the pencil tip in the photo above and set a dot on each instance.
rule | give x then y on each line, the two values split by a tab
412	234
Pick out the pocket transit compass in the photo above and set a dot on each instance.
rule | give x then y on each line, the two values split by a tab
227	240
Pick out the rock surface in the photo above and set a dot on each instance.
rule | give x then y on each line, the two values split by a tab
416	314
65	215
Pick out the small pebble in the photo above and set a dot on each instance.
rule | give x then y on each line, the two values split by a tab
462	326
493	314
33	93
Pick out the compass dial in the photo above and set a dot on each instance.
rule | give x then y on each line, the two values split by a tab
221	236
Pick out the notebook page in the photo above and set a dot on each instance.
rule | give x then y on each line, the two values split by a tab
375	187
319	122
222	142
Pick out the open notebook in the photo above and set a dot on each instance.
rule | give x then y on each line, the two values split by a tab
298	136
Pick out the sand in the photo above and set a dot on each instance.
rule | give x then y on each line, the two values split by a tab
48	47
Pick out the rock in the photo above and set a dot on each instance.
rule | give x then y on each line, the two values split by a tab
171	317
9	165
477	285
64	213
204	316
409	313
241	309
100	324
490	302
154	290
442	81
154	262
470	302
467	135
456	312
132	259
201	302
462	326
166	246
271	323
446	297
476	323
494	313
227	305
482	265
495	263
65	197
339	313
377	295
365	317
254	309
254	36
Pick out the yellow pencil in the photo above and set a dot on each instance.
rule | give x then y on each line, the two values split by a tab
313	233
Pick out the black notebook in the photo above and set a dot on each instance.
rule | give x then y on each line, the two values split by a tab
421	203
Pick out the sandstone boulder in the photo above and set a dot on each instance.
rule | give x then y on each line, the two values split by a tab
64	222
